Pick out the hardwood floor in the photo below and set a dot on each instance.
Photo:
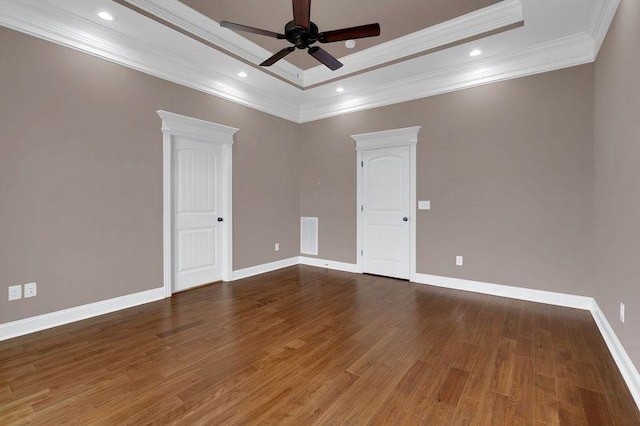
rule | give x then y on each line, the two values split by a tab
305	345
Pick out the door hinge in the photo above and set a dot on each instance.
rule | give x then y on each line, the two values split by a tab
361	208
362	164
361	252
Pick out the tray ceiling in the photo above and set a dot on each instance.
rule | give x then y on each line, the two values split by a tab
397	18
497	17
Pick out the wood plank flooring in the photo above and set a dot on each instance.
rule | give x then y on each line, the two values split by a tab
306	345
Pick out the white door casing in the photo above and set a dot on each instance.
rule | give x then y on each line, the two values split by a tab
386	211
178	130
404	137
197	232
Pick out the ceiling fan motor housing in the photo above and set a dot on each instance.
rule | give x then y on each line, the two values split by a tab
302	33
300	36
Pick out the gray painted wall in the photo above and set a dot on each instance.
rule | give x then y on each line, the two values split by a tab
508	168
617	176
81	176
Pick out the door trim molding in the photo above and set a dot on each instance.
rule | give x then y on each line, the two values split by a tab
407	136
175	125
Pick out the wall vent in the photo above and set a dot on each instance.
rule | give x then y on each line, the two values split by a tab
309	235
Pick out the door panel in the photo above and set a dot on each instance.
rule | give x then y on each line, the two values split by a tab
385	178
197	236
196	248
386	201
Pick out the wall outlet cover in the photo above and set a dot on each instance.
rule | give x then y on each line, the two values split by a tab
30	290
15	292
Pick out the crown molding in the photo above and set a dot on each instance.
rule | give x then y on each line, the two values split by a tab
192	21
46	21
601	20
491	18
544	57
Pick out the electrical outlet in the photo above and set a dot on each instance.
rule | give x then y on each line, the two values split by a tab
30	290
277	246
622	312
459	260
15	292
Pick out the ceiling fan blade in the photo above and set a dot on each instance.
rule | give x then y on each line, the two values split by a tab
302	13
325	57
363	31
275	58
240	27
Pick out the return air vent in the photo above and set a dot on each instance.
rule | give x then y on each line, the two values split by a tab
309	235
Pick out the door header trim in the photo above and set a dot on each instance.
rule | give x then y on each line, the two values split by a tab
193	128
387	139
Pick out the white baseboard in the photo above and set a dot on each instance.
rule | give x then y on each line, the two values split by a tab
620	356
329	264
301	260
265	267
54	319
540	296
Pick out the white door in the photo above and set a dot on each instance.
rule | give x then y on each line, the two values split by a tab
386	210
197	216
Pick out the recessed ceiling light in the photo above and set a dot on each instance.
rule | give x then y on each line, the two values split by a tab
106	16
350	44
340	89
242	74
475	52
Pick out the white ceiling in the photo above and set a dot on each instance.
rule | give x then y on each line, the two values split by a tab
556	34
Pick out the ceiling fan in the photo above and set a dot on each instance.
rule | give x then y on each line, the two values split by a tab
303	33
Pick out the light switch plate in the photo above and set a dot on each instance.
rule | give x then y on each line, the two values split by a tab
459	260
424	205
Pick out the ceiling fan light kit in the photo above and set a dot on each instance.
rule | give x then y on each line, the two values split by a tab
302	34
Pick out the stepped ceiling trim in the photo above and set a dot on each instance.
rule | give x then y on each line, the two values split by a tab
504	14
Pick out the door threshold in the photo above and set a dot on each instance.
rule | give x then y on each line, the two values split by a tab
200	286
385	276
